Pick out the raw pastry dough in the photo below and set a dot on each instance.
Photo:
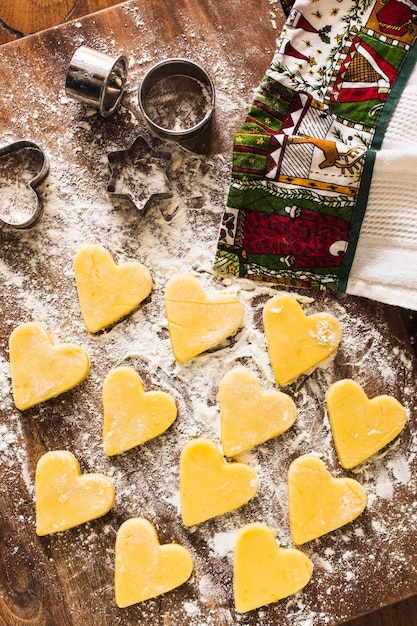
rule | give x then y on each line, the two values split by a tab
319	503
106	291
264	572
197	321
297	343
361	426
131	415
64	497
41	370
209	486
143	568
249	416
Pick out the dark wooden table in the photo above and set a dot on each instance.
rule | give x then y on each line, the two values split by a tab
26	578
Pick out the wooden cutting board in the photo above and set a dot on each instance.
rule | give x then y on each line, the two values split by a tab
67	579
21	18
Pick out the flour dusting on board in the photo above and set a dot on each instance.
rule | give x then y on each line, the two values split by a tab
38	285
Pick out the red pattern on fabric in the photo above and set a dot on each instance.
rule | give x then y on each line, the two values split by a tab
295	113
385	68
306	238
361	94
394	18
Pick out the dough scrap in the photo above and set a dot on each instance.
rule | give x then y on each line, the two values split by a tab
263	572
106	291
297	343
131	415
319	503
144	568
209	486
249	416
64	497
198	321
360	426
40	369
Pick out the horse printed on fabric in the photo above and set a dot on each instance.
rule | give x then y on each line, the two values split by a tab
299	158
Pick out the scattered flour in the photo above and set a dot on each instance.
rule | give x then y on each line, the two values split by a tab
38	285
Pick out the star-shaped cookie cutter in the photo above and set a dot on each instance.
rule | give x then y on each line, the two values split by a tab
138	176
23	167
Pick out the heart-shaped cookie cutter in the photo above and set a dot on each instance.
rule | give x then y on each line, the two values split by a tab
25	159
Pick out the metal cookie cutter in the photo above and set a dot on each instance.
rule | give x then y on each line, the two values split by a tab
96	79
23	167
177	98
138	176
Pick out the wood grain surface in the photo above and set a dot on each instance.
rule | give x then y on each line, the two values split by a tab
24	17
67	580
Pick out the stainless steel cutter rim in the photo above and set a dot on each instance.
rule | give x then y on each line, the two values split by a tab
33	183
126	196
110	93
97	79
171	67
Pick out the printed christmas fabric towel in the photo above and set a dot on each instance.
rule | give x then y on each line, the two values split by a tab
323	191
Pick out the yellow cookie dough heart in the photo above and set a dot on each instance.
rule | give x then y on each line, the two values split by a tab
131	415
297	343
209	486
361	426
264	572
319	503
41	370
143	568
198	321
249	416
106	291
64	497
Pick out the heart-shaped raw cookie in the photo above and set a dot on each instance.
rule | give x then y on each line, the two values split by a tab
361	426
131	415
41	370
106	291
297	343
144	568
64	497
209	486
319	503
263	572
249	416
198	321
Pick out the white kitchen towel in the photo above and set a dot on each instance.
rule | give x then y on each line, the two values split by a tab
384	267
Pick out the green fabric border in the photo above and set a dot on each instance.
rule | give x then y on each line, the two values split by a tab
359	214
365	185
393	97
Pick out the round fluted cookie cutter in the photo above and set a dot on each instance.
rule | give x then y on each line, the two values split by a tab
177	98
97	79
